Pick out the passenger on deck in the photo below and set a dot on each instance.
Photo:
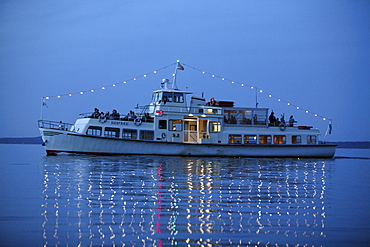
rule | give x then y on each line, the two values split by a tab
96	113
291	121
107	115
272	119
115	115
282	120
146	117
61	125
131	115
255	119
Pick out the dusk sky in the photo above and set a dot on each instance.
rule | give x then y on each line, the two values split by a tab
312	54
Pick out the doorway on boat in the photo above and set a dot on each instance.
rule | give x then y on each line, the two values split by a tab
191	131
195	131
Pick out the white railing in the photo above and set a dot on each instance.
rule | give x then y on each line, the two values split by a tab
54	125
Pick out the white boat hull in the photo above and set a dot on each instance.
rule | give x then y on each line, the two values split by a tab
57	141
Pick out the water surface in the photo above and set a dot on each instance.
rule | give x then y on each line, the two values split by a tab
162	201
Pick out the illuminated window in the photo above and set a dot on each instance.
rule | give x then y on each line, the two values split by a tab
280	139
215	127
250	139
94	131
265	139
235	139
311	139
129	134
230	117
296	140
175	125
111	132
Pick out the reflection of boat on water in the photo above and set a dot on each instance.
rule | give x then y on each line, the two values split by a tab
185	201
169	125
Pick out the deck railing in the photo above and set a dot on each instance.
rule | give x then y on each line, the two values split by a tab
54	125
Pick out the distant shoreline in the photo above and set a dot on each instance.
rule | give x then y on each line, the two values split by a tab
352	144
21	140
38	140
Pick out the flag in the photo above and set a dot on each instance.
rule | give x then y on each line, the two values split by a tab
44	102
330	128
179	66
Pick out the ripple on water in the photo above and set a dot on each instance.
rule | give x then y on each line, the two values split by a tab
171	200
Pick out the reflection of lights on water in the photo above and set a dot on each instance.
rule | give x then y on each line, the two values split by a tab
110	203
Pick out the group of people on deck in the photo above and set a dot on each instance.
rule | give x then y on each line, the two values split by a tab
114	116
274	121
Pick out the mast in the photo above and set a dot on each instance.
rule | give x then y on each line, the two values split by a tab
178	67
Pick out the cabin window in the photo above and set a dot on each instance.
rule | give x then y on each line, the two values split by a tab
230	117
167	97
175	125
311	139
212	111
296	140
178	97
162	124
250	116
111	132
259	117
280	139
265	139
94	131
250	139
246	117
129	134
235	139
146	135
156	97
215	127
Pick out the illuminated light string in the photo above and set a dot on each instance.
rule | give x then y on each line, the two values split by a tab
260	91
104	87
203	72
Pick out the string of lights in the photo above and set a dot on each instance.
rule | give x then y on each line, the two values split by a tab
259	90
106	86
252	87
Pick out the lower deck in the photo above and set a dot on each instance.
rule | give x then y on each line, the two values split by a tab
187	130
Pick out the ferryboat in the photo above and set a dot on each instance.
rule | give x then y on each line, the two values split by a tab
176	123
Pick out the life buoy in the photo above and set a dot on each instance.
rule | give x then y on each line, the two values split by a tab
212	101
102	119
282	127
163	136
137	121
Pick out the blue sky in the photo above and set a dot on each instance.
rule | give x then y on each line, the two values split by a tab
314	54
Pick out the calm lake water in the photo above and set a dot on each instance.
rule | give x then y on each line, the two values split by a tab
79	200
